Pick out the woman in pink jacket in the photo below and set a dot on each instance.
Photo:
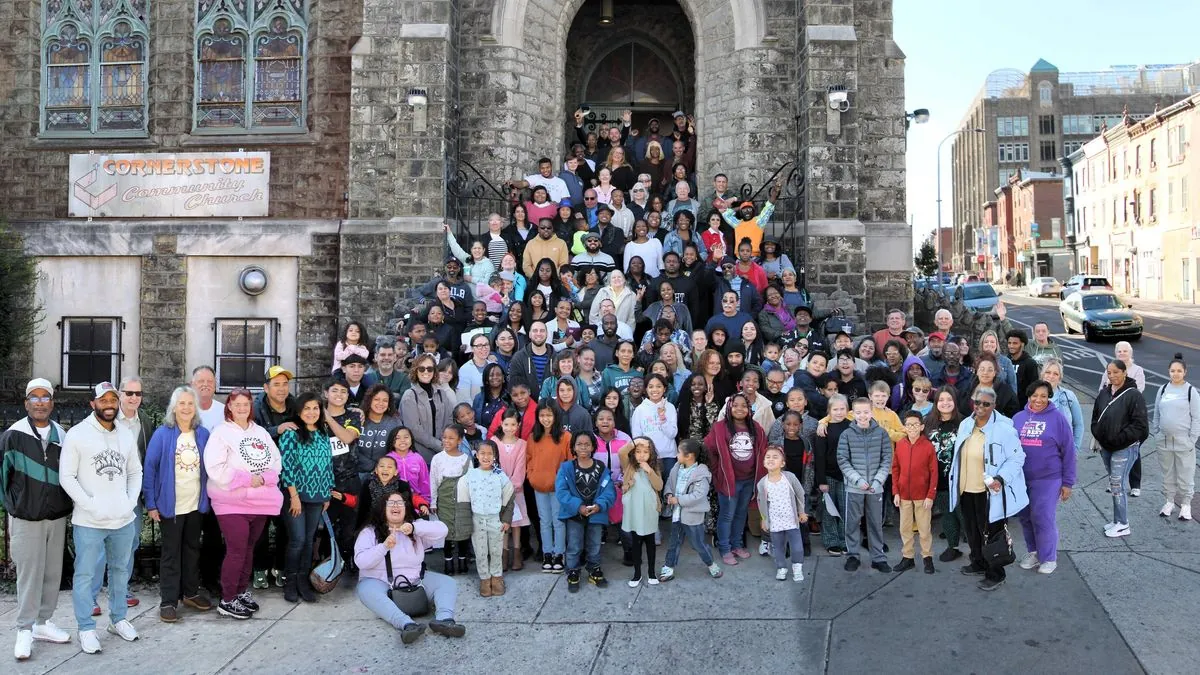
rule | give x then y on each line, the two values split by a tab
243	467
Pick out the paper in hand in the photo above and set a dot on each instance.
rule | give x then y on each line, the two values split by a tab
829	506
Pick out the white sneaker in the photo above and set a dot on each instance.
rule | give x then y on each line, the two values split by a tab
1118	531
1167	509
1109	526
1048	567
651	581
634	583
48	632
781	573
124	629
24	646
89	642
1185	512
764	548
1029	560
798	572
1135	492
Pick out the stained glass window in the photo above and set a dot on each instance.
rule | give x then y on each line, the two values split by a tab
633	73
94	67
250	65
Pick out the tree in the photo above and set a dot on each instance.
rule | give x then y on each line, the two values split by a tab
18	304
926	260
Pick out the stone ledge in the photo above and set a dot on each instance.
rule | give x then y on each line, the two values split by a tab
427	31
204	237
77	144
201	140
830	33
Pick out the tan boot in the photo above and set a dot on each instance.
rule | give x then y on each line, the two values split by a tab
485	588
497	586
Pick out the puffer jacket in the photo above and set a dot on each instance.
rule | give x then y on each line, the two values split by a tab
864	456
1119	420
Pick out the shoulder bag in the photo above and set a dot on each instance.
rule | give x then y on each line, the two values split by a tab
998	547
324	577
409	597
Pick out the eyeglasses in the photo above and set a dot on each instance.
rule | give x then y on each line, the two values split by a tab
39	399
425	369
132	393
394	504
983	404
779	382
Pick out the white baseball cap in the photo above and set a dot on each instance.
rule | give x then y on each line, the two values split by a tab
39	383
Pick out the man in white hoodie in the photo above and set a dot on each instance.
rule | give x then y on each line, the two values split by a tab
102	473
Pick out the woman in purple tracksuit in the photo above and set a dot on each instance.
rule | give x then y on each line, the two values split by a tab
1049	474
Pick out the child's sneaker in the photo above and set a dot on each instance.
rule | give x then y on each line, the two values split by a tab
714	571
651	581
929	565
764	548
781	574
798	572
558	565
666	574
547	562
573	581
596	578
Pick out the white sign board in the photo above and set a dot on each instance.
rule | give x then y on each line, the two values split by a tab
161	185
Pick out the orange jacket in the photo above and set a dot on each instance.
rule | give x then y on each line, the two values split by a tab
914	470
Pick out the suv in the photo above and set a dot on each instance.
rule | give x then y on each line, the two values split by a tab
1084	282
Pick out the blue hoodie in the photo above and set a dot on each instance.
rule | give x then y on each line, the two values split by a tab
1048	443
900	391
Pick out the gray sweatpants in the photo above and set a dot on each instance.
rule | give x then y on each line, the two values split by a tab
37	551
855	505
488	541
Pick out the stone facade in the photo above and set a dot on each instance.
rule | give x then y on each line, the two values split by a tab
163	305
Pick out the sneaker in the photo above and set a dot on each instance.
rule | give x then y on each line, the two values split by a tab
1048	567
635	582
1135	492
1185	512
852	564
198	602
973	571
96	610
411	632
1118	531
906	564
781	574
547	562
89	642
131	601
1109	526
741	553
596	578
260	580
764	548
24	647
573	581
279	578
247	601
558	566
233	609
929	565
950	554
48	632
798	572
665	574
1029	560
835	551
124	630
714	571
990	584
168	613
651	581
1167	510
882	566
447	628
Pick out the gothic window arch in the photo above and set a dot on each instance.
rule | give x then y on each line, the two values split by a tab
94	55
251	66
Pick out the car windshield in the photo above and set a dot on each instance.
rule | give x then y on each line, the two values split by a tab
978	292
1102	302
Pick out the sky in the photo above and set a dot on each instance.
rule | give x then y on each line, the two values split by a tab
952	45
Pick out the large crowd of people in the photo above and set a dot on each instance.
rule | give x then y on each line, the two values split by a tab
597	367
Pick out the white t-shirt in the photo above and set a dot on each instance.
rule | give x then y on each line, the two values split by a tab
782	514
214	416
556	186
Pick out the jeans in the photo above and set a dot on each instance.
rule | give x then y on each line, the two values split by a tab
695	537
553	531
179	562
833	529
583	538
98	577
1118	464
731	516
439	588
118	547
780	541
301	529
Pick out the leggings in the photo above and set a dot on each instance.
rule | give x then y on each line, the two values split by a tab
646	541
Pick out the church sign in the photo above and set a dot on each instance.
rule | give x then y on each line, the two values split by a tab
175	185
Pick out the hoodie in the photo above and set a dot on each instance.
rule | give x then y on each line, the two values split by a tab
901	393
658	422
864	456
101	472
232	458
1176	421
30	472
720	457
576	418
1049	444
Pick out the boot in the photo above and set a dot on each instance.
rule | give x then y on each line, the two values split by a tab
506	557
462	564
497	586
304	585
448	565
290	592
485	588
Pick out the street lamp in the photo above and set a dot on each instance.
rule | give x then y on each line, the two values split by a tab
952	134
918	116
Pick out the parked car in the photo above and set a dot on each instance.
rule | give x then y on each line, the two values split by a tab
1084	282
978	295
1044	286
1099	314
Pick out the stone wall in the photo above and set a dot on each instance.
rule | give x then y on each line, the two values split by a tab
163	318
317	307
378	269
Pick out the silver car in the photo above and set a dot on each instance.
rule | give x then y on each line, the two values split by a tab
1044	286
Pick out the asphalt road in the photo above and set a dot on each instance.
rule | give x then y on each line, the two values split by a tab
1167	331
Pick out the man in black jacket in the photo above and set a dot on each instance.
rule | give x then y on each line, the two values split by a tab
39	508
531	364
1027	368
272	409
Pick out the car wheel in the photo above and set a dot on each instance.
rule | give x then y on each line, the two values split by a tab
1066	326
1087	333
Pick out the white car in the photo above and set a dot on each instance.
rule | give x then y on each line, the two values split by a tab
1044	286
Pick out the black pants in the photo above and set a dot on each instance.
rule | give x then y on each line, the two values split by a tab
212	552
179	564
974	508
535	521
639	542
1135	473
343	518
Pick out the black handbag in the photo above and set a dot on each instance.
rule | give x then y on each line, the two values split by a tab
998	545
408	597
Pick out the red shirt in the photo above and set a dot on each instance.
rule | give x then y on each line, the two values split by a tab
881	338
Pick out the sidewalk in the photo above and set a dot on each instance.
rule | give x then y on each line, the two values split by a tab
1120	606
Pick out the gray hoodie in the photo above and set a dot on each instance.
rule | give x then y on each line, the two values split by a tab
576	419
1176	422
864	456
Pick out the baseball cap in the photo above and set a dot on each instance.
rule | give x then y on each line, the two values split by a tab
728	260
452	259
806	308
566	201
604	207
103	388
937	335
914	330
678	113
508	276
275	371
746	205
652	119
352	359
592	235
39	383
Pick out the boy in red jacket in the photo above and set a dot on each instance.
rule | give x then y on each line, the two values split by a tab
914	482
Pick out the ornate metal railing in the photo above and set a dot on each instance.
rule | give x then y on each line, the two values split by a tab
472	198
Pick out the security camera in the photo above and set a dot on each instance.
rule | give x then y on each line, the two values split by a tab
839	98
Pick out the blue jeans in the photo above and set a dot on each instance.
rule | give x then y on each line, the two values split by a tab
583	538
1118	465
439	588
553	531
695	537
301	530
90	543
731	516
98	578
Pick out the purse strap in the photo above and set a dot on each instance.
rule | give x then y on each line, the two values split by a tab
336	556
1003	493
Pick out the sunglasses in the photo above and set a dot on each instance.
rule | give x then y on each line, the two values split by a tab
589	199
132	393
983	404
39	399
425	369
921	390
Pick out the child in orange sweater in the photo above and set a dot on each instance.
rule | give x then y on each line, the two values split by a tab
914	482
549	446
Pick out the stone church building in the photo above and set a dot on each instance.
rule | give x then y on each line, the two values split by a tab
227	181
